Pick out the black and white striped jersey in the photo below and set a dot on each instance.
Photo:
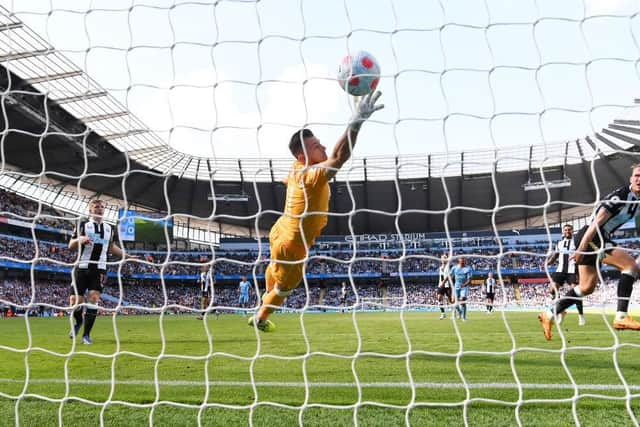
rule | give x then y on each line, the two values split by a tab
622	204
206	281
444	279
565	249
94	254
490	285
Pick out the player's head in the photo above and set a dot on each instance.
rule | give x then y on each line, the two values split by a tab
444	258
304	143
634	179
462	261
243	277
96	208
567	231
490	275
205	268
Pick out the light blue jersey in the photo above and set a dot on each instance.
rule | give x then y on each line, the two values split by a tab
461	275
244	287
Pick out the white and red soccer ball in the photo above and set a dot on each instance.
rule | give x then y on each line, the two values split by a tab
359	74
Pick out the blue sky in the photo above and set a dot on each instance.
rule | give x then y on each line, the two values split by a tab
238	77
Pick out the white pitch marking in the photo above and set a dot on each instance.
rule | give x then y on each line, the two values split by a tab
323	384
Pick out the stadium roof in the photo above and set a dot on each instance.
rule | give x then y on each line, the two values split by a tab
60	124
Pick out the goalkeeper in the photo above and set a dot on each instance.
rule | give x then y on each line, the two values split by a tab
306	206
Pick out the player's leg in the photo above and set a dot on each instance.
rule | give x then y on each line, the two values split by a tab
450	297
204	304
588	274
76	299
463	306
579	305
95	281
90	316
275	249
440	297
283	277
629	273
554	290
290	280
75	302
242	303
457	311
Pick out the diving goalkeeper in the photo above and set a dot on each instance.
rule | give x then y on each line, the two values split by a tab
306	206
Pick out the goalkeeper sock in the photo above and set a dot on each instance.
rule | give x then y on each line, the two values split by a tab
77	316
572	297
270	303
625	288
90	318
442	309
464	310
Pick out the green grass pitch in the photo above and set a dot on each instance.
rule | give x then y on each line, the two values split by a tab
356	367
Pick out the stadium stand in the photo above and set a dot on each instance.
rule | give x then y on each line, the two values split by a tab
523	255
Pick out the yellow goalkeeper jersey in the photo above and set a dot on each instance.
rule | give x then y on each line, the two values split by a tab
307	199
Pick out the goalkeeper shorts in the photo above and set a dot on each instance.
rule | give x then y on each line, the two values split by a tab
284	248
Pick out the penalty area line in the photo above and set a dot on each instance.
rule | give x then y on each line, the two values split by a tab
433	385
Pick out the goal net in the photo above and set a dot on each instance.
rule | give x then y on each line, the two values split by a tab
501	123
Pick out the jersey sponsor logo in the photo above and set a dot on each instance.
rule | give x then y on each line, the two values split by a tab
97	240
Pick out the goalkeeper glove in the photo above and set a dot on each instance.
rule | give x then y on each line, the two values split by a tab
365	108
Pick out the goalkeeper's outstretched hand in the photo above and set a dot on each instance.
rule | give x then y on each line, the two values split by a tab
365	108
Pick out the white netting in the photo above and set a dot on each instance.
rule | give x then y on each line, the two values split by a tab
210	92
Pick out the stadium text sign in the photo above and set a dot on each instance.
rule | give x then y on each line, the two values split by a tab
407	237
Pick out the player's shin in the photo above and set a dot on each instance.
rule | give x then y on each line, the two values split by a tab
625	288
271	301
90	319
77	316
571	297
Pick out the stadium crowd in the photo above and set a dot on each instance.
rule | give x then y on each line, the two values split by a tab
17	207
236	263
49	297
328	260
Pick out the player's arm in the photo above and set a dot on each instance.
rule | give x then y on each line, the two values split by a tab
117	251
78	238
601	217
468	281
552	258
342	151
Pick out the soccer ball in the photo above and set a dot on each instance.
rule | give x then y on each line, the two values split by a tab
359	73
